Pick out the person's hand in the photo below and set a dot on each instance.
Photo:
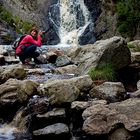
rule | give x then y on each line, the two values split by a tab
40	32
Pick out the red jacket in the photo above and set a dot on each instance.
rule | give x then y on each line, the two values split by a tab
28	41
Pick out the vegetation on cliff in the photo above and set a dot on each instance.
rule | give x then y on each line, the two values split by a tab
105	72
128	17
15	21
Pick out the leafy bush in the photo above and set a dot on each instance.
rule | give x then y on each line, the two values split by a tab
5	15
16	22
26	26
105	72
128	17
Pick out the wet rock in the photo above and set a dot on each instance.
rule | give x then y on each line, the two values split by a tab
26	90
113	50
58	52
135	94
25	115
138	84
58	130
53	116
22	121
69	69
135	57
103	119
38	105
3	51
16	90
59	92
36	71
12	71
8	90
83	83
67	90
62	61
110	91
55	113
120	134
2	60
49	57
8	98
81	105
11	60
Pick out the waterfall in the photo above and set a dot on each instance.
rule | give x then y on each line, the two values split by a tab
74	18
6	132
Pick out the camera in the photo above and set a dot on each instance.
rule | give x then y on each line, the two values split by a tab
43	32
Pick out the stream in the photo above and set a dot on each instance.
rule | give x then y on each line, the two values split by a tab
74	19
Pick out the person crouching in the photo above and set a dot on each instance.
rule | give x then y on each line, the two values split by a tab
28	46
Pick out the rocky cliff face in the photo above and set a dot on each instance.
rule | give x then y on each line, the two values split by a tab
28	10
105	25
103	13
35	12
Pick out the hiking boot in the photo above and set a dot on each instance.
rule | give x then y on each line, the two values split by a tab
37	61
26	61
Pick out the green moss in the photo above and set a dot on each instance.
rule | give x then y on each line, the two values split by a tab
134	47
105	72
130	46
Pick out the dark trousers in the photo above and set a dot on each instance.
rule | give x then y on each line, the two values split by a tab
28	52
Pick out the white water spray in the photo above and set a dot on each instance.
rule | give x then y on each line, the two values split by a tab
74	17
6	132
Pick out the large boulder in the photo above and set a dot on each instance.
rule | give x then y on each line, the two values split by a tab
67	90
110	91
106	23
13	93
104	119
59	91
3	51
12	71
16	90
54	131
113	51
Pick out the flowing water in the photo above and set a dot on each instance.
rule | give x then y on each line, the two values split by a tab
74	16
45	77
6	132
73	20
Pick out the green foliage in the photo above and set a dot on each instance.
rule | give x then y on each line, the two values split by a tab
134	47
7	38
5	15
22	26
26	26
128	17
16	22
105	72
130	46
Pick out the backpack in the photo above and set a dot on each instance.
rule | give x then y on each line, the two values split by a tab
17	42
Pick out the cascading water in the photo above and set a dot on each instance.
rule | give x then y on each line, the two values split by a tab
69	19
6	132
74	16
